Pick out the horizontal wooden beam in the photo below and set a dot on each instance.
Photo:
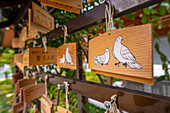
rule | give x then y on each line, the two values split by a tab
9	3
97	15
129	100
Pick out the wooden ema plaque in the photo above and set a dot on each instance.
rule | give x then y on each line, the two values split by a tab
62	110
67	56
46	105
15	43
37	27
33	92
18	59
31	33
16	77
24	82
18	108
38	56
61	6
72	3
125	53
7	36
42	17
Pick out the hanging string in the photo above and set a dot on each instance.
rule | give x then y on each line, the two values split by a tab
114	103
46	92
44	40
65	32
66	88
109	17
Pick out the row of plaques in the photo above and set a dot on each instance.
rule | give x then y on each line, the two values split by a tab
124	53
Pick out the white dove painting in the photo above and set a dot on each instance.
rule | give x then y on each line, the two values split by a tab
68	57
62	60
124	55
102	59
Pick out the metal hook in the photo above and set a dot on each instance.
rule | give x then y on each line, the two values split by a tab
111	105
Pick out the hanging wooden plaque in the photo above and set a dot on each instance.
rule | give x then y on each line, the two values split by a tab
16	77
46	105
67	56
22	93
126	52
24	82
38	56
7	36
18	59
36	26
31	33
72	3
33	92
18	108
42	17
24	33
15	43
62	110
60	6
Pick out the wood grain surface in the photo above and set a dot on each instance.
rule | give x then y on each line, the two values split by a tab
60	6
62	110
73	52
42	17
72	3
38	56
35	26
137	39
46	105
33	92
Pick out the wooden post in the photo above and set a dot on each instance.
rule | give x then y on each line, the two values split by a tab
109	80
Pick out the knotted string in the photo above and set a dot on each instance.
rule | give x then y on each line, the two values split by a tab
66	88
109	17
65	32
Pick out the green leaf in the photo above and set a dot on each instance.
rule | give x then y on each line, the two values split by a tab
130	16
153	11
144	19
154	17
168	37
155	34
162	10
160	78
147	11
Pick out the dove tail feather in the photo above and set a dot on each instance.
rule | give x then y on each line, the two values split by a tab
134	65
95	57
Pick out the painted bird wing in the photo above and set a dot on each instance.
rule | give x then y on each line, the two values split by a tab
101	58
126	54
69	57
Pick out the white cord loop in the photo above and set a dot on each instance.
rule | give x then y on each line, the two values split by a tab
66	88
109	17
44	40
65	32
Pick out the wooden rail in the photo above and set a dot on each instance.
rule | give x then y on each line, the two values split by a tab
129	100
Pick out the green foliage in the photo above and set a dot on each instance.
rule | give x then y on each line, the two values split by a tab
95	109
130	16
162	10
3	104
144	19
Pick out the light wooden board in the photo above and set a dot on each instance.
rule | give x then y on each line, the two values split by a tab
42	17
31	33
33	92
15	43
137	39
7	37
60	6
24	82
23	33
22	93
72	3
62	61
36	26
62	110
18	60
46	105
38	56
18	107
